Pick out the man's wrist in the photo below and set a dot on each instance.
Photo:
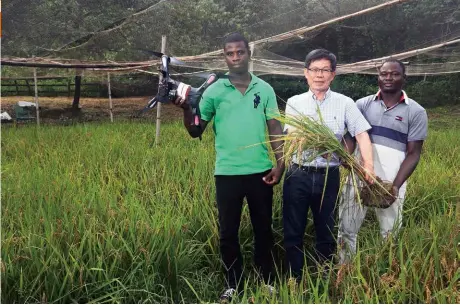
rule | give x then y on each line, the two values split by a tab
280	163
369	164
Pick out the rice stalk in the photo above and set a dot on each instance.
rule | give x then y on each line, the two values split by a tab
308	139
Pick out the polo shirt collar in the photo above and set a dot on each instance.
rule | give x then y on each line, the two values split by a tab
254	81
326	96
403	99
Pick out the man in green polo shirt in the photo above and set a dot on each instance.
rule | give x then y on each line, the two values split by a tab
243	106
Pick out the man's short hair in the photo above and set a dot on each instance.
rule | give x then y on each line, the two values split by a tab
236	37
321	54
397	61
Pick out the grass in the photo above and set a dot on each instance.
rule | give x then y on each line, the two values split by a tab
94	213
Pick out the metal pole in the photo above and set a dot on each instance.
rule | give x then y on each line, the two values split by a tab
157	134
110	97
36	97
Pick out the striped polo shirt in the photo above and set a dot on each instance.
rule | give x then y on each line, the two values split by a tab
392	129
337	111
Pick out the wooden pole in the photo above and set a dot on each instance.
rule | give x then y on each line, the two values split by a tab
17	87
36	97
110	97
157	133
251	62
28	87
76	95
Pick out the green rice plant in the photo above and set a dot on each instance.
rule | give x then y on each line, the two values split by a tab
94	213
306	134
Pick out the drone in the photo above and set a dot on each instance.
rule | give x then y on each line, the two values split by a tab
170	89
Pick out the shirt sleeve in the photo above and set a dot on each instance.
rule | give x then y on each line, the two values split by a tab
418	127
355	121
271	108
207	109
360	105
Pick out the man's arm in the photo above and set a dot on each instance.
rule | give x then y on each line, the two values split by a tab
365	148
413	151
418	129
358	126
193	130
275	132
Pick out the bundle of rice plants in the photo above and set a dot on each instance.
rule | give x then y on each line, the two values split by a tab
306	134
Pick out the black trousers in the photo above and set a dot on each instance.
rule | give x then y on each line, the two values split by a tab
303	190
230	191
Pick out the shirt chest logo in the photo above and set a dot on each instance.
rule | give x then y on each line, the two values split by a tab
399	118
256	100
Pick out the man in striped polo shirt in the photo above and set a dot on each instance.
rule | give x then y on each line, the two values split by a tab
306	180
399	127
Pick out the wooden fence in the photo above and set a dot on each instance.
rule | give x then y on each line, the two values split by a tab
62	86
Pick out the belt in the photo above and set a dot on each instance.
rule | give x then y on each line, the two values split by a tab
314	169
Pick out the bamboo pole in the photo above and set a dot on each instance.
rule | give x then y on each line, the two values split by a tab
25	62
158	123
374	61
251	61
110	97
36	97
302	30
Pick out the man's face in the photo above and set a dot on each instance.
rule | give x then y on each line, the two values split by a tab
319	75
237	56
391	77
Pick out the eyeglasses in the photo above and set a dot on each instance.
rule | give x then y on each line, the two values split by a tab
319	71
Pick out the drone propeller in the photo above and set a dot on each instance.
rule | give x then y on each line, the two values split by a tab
173	60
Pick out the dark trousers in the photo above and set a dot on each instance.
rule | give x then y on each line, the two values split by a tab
230	191
303	189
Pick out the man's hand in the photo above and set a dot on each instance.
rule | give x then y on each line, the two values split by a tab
394	194
274	176
370	174
395	191
180	102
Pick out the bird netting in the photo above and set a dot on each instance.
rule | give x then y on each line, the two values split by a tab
110	35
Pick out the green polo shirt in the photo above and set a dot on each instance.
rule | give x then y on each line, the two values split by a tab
240	124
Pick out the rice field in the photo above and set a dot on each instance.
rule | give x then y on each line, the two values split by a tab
94	213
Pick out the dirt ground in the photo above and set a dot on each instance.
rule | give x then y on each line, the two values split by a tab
57	110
